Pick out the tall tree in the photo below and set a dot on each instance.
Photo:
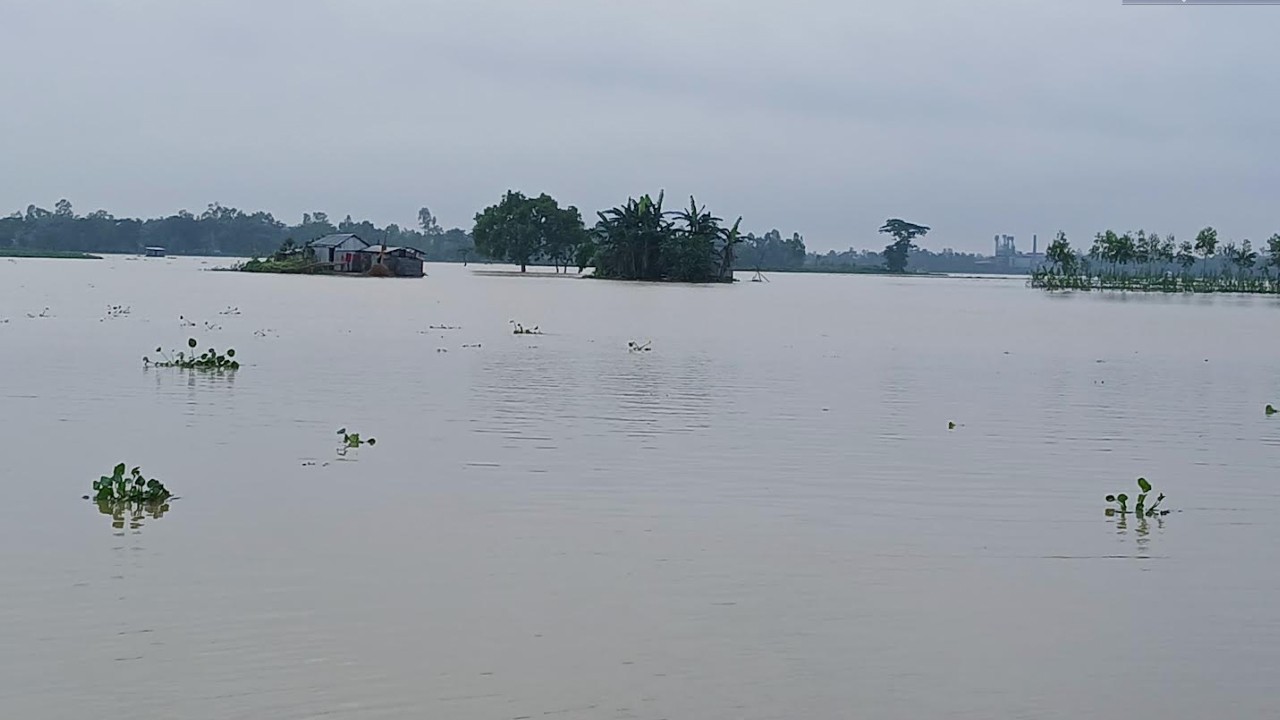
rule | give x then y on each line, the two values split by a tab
1060	254
1273	251
428	222
904	235
520	230
1207	243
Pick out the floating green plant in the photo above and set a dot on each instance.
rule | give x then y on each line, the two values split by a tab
1140	508
210	359
130	487
951	426
1271	410
352	441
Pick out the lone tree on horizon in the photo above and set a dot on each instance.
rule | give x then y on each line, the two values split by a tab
904	235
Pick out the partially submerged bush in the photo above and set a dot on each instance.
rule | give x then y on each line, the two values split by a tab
208	360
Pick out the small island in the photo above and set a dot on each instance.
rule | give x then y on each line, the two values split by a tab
635	241
339	254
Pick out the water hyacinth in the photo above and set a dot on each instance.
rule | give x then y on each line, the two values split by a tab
352	441
1140	507
210	359
130	487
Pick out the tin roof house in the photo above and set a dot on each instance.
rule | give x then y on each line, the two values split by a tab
339	250
401	261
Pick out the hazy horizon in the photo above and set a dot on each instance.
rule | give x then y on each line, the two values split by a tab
815	117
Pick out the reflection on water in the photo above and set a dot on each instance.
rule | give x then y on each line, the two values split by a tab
131	514
764	516
1141	531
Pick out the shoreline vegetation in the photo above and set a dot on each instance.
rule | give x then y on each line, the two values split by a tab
1138	262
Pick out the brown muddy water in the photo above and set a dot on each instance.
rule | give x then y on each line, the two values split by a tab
766	516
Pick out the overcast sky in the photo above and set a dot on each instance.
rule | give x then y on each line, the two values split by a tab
818	116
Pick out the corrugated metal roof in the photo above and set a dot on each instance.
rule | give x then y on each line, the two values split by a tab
334	240
390	249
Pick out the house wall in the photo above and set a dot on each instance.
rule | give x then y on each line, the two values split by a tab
346	254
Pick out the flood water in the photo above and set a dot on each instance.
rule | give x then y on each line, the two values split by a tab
766	516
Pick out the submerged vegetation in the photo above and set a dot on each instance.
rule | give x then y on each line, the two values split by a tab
1150	263
352	441
210	359
1140	507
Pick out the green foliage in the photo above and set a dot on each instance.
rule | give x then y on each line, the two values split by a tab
904	235
1271	410
520	230
352	441
639	241
210	359
1140	507
131	487
771	252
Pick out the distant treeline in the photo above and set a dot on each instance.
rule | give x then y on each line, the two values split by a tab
219	230
771	252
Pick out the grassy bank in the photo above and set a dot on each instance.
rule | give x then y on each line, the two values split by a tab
290	266
57	254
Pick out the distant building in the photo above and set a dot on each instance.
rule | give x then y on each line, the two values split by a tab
340	250
1008	258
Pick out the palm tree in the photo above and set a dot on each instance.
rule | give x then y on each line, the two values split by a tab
1246	257
1186	255
1273	251
731	239
629	239
689	253
1207	243
1230	254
